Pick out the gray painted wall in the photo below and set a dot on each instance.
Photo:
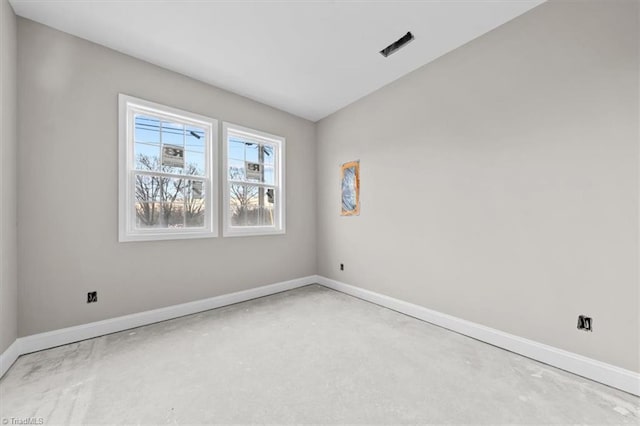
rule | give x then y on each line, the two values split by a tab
516	215
8	149
68	190
500	182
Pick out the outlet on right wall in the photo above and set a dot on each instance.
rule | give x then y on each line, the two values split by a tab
499	183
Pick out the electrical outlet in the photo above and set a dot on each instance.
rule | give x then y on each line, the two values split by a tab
585	323
92	297
342	266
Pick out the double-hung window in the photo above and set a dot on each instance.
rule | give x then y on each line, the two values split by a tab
254	193
168	185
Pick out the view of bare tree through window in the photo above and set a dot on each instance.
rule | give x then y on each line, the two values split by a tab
165	152
168	202
251	182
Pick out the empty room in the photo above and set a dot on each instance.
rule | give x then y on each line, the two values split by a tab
320	212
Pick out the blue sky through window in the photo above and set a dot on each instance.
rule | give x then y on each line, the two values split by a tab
151	132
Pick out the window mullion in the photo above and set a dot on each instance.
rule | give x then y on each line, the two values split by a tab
167	174
245	182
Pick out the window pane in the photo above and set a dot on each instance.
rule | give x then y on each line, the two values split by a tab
195	163
195	139
147	156
195	151
148	188
251	205
173	154
147	215
147	129
236	150
172	158
251	150
167	202
254	171
173	190
173	202
172	133
267	216
155	200
194	203
269	175
236	170
173	214
269	154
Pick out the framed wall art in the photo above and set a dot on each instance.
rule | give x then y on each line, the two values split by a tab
350	188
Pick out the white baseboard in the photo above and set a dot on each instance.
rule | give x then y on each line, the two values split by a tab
607	374
9	356
598	371
37	342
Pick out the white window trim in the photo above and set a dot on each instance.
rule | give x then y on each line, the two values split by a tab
127	232
280	212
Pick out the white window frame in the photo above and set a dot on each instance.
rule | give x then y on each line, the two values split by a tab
279	227
128	107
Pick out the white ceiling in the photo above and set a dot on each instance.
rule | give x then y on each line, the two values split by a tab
309	58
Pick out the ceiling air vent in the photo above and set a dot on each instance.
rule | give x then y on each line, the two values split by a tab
396	45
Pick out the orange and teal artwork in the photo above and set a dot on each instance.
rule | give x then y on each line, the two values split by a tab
350	182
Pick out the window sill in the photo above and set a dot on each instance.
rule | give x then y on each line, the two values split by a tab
252	231
158	236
